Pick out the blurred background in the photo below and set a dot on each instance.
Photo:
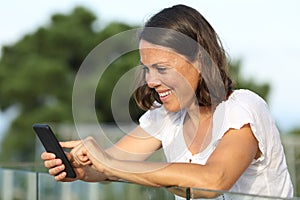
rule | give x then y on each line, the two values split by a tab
43	44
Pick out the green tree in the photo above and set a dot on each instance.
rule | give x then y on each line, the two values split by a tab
262	89
294	131
37	75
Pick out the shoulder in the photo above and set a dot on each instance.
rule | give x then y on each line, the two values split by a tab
246	99
242	107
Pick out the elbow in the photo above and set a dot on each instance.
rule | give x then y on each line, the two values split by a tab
216	184
217	180
212	185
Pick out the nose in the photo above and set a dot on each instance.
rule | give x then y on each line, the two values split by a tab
152	80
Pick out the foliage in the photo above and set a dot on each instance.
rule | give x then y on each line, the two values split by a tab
295	131
37	75
262	89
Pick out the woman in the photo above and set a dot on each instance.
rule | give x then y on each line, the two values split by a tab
213	137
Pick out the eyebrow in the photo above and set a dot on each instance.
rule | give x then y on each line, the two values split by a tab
153	65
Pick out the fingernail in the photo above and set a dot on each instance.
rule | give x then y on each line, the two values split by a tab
57	162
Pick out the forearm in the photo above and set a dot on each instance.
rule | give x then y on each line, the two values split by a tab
164	174
144	173
178	176
122	154
135	146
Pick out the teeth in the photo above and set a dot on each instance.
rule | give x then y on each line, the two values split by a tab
164	94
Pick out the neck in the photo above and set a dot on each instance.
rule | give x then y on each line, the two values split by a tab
198	114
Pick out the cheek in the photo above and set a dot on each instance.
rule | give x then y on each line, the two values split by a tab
184	86
173	80
189	76
188	80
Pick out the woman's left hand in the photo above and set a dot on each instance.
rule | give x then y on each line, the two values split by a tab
88	152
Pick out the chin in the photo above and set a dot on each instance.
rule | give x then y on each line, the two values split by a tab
172	108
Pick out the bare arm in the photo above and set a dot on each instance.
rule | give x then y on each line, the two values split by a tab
135	146
230	159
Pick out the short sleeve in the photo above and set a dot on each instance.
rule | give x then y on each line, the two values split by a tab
153	121
244	108
238	117
229	116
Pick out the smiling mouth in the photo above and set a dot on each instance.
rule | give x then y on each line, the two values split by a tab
165	94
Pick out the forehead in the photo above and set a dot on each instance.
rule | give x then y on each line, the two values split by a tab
152	52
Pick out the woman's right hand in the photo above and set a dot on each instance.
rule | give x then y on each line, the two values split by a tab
56	167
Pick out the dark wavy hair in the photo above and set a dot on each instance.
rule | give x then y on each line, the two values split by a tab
187	32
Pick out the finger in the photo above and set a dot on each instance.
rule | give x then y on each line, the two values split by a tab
79	155
79	160
79	164
84	158
52	163
61	176
68	155
75	163
70	144
91	146
47	156
85	161
56	170
95	151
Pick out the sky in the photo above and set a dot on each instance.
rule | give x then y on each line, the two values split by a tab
263	34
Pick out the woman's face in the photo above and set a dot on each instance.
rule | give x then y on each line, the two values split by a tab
173	77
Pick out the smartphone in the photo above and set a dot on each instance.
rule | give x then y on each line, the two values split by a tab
51	145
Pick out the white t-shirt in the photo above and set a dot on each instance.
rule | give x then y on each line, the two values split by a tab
268	175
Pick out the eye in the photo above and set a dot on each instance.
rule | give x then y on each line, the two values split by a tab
161	69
